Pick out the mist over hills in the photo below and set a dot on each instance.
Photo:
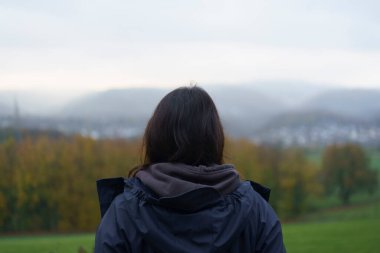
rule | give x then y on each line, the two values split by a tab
292	93
355	103
133	104
333	116
265	112
241	108
244	108
35	102
304	117
4	109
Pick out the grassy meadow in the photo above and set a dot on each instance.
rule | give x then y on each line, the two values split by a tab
75	243
353	228
333	236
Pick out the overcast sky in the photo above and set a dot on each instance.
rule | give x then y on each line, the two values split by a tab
75	44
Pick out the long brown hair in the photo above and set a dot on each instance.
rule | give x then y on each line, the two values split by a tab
184	128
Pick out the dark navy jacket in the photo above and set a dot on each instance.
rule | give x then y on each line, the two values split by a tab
135	220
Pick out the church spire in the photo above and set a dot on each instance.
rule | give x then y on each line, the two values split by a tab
16	119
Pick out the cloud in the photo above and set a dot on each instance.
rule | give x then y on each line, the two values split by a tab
115	42
178	63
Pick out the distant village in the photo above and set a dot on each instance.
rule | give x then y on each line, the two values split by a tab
320	134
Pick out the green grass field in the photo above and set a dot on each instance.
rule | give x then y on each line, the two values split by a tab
345	229
334	236
47	244
350	229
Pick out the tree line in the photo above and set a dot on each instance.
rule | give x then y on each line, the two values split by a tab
48	183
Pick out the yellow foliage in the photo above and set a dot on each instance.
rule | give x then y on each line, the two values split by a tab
49	183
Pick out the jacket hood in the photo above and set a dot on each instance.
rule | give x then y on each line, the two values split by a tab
173	179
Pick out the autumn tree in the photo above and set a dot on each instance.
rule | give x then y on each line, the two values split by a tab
298	183
346	170
291	177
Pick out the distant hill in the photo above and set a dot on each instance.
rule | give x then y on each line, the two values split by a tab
307	118
241	108
292	93
134	104
263	111
244	110
34	102
321	122
354	103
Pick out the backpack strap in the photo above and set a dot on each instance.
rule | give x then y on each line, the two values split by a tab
262	190
108	189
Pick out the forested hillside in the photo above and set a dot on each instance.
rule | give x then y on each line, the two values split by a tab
48	182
